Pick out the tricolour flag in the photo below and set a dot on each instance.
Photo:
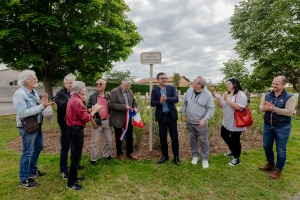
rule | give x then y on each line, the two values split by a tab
137	120
127	117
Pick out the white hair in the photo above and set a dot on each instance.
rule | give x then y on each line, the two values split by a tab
77	86
24	75
202	81
69	77
127	80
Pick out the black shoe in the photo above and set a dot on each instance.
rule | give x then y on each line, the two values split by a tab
37	173
65	175
109	158
80	179
29	183
75	187
162	160
229	154
80	167
176	160
93	163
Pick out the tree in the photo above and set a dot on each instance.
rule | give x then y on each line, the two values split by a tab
237	69
176	79
57	37
117	76
267	32
89	79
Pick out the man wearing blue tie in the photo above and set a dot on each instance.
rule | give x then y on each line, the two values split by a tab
164	98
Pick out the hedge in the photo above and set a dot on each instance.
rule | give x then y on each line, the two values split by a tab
140	88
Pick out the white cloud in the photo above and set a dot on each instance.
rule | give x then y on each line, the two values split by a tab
192	35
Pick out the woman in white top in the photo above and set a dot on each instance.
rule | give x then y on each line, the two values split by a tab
234	99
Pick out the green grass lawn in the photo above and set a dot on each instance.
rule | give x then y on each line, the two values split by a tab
144	179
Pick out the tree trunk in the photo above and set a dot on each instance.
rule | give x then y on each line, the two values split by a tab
48	88
47	76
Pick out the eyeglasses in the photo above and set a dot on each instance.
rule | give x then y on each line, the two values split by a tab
165	78
99	84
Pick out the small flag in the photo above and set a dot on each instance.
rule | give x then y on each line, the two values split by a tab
137	120
127	117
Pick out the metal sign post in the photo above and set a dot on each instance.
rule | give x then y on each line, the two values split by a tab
150	58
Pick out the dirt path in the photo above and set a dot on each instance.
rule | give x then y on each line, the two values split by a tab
217	145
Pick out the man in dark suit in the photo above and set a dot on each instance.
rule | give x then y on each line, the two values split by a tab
164	97
121	99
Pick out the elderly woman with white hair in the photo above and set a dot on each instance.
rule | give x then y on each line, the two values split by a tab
28	104
76	117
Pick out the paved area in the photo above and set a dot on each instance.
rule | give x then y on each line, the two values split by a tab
7	109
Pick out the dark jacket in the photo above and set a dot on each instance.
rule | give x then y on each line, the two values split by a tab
273	119
61	99
93	99
118	106
172	98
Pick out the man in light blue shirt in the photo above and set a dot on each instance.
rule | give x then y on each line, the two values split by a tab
27	103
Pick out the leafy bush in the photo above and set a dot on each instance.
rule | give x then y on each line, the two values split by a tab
138	132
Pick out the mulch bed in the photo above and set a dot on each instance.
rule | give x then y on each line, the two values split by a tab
217	145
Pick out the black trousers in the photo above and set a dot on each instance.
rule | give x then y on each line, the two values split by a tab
129	139
232	140
64	149
166	122
76	136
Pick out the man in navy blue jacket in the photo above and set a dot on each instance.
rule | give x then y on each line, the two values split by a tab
278	106
164	97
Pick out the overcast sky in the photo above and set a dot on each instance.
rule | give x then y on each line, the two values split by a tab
192	36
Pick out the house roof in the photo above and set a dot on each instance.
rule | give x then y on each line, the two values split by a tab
154	80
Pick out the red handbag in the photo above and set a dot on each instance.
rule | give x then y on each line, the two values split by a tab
243	117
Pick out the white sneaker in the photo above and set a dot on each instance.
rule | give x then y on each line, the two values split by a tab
205	164
195	160
234	162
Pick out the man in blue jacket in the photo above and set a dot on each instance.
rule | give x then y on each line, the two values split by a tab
278	106
164	97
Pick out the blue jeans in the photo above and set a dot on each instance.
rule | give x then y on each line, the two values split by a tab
281	136
64	149
32	146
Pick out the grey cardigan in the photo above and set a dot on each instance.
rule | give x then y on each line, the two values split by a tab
197	108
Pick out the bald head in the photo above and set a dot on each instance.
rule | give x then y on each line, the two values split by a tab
279	84
282	78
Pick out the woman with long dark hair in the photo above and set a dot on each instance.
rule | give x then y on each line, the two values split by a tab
234	99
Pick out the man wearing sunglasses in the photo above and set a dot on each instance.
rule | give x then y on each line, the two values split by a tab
164	97
100	122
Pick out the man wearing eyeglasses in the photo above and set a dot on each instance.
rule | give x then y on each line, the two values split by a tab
164	97
198	106
121	100
100	122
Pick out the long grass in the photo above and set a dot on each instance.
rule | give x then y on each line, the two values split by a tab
144	179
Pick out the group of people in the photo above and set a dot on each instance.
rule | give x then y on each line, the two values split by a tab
106	110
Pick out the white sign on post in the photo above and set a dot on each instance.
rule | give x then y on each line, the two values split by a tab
151	58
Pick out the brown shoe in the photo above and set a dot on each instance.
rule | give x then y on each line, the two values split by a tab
121	158
276	174
268	167
132	157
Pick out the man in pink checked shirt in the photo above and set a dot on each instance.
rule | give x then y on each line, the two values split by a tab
100	122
